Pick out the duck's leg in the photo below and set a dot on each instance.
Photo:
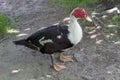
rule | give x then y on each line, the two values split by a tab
65	58
57	66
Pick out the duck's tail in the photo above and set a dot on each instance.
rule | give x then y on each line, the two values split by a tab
21	42
24	42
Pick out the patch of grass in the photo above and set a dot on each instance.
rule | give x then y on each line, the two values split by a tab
114	38
113	34
114	20
114	30
86	23
69	5
70	78
5	25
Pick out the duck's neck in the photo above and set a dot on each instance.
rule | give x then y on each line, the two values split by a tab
72	18
75	30
73	23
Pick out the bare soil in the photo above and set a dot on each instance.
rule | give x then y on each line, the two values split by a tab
94	57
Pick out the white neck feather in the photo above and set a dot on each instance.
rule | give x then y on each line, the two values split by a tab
75	30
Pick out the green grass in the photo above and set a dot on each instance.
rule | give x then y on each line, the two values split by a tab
115	20
70	78
69	5
113	32
5	24
114	38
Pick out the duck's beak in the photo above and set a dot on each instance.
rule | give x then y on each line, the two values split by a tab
88	19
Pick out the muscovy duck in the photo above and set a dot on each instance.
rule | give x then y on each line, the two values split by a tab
57	38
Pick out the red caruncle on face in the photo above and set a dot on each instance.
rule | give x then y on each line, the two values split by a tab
79	13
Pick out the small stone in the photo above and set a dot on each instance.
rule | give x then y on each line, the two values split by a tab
48	76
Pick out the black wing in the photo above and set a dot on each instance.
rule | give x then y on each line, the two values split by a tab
51	33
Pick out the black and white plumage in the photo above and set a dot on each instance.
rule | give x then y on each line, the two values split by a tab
55	39
52	39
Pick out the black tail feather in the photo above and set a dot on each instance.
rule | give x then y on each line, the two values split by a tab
20	42
24	42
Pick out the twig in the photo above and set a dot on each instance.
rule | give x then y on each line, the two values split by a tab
109	12
98	22
96	17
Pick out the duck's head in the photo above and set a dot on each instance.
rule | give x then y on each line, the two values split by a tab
80	13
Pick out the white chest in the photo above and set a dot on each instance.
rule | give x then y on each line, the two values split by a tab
75	33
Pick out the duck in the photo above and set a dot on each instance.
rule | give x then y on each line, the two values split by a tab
56	39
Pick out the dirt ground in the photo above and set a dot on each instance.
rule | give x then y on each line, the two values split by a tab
94	58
